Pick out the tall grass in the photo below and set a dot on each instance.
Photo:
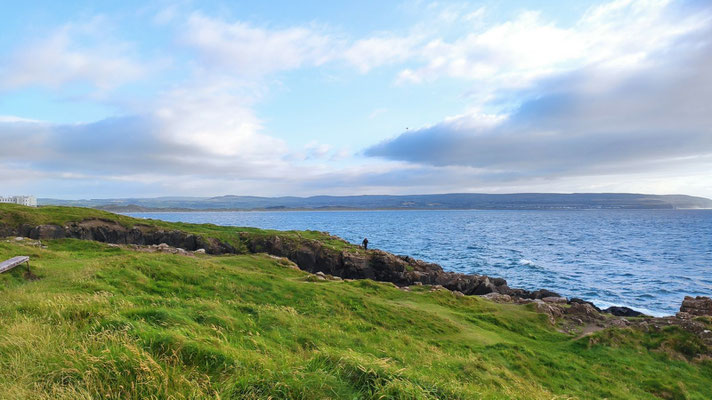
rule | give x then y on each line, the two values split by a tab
104	322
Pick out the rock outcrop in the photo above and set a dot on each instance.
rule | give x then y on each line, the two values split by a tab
314	256
108	231
622	312
310	255
576	300
584	312
696	306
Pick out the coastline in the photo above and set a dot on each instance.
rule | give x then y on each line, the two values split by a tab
336	209
312	251
466	241
184	289
312	256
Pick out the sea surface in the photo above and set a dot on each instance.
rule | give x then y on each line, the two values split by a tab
644	259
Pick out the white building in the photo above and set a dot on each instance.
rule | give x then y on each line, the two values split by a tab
29	201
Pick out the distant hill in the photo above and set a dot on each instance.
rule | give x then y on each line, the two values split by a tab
518	201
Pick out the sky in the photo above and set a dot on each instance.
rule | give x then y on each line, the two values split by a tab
207	98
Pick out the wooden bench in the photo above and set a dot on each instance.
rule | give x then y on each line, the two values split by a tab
14	262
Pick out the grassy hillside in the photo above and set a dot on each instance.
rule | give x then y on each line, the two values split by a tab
14	215
114	323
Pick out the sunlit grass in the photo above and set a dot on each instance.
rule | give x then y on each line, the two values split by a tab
12	215
104	322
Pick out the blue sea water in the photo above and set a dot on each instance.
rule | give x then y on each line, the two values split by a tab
644	259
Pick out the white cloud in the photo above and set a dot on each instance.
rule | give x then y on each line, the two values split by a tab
12	118
166	15
369	53
377	112
598	121
215	116
515	53
73	53
596	99
243	49
317	150
142	145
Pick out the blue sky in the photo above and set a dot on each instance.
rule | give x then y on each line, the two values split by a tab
136	98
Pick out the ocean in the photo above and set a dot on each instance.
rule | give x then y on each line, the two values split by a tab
644	259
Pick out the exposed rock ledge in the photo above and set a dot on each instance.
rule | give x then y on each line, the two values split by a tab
313	256
108	231
310	255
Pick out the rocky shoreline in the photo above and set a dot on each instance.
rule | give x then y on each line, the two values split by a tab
350	262
309	254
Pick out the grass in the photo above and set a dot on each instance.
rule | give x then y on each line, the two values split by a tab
112	323
104	322
15	215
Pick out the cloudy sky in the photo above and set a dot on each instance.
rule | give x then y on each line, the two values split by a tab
191	98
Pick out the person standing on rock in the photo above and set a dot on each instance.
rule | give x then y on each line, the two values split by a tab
365	243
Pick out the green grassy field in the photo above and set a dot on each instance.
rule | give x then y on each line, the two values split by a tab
15	215
103	322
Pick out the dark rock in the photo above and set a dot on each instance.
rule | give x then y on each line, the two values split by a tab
541	293
313	256
699	305
584	311
498	297
6	231
485	287
619	322
498	281
47	232
694	326
576	300
552	311
518	293
623	312
108	231
24	230
555	300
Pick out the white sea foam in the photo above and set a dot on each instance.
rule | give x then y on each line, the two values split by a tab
605	304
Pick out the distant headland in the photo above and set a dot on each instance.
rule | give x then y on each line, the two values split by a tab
451	201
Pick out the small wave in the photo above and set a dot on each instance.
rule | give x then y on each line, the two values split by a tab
606	304
524	261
